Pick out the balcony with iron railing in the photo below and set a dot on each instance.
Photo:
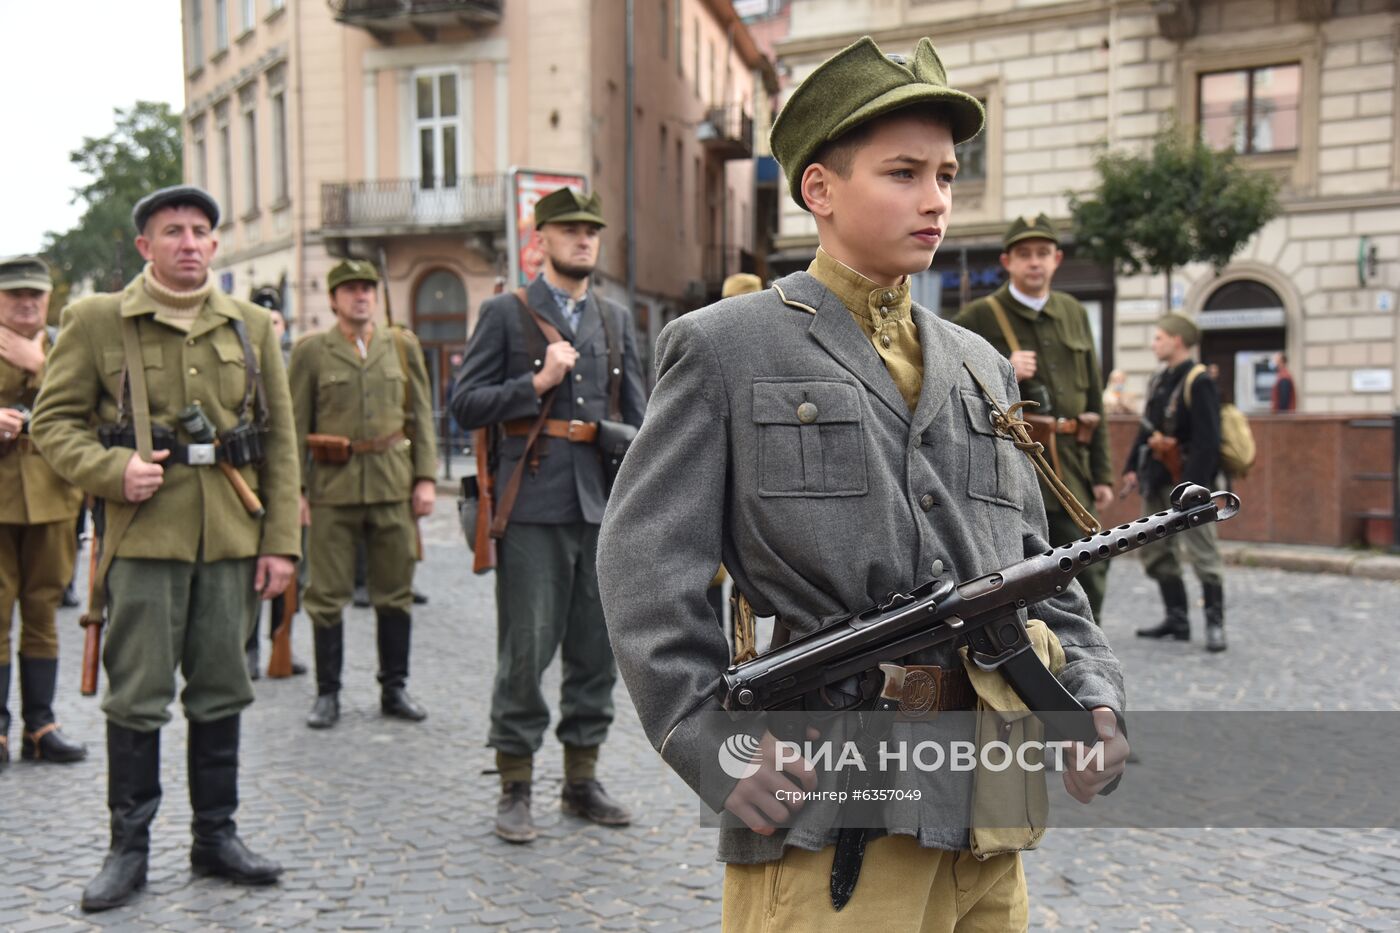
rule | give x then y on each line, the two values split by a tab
420	15
726	132
471	203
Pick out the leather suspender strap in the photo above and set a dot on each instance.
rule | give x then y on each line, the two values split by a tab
136	380
506	503
1004	323
397	335
254	384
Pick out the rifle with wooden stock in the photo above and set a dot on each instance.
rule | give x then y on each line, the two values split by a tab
92	620
279	664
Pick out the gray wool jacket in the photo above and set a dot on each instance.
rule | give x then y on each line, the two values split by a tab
813	519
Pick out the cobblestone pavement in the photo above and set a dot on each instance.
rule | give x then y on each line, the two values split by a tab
387	825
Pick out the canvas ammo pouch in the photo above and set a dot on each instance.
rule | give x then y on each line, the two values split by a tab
328	448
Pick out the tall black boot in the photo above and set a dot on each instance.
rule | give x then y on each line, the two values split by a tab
43	740
213	770
394	630
330	657
133	796
4	715
1177	624
1215	616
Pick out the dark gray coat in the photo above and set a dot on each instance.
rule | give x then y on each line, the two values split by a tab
494	385
813	521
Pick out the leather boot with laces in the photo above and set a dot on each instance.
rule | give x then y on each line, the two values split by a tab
513	821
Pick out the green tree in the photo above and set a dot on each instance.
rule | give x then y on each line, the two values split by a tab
142	153
1183	202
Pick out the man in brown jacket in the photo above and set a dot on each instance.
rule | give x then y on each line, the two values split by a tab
36	518
193	380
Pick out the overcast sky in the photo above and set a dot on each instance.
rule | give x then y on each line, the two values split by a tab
64	66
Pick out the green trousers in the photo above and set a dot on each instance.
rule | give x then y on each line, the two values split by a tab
1201	545
1094	579
390	536
547	602
36	563
168	615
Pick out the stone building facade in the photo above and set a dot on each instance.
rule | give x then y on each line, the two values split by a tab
1306	89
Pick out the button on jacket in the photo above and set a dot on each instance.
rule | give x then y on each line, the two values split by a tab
196	515
494	385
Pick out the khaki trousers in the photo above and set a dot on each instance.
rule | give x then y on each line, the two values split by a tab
36	563
1200	545
903	889
389	534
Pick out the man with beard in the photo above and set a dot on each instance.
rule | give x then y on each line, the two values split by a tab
185	551
520	383
365	418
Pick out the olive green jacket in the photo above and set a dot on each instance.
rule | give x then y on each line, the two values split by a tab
334	392
1067	377
33	493
195	515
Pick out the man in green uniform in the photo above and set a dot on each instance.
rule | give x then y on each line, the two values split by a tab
365	420
37	511
1046	336
195	527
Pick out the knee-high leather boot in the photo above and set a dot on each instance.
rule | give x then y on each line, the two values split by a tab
213	771
133	796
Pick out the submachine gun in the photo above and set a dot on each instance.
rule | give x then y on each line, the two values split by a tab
839	667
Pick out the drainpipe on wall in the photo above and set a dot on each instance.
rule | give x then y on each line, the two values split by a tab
299	212
630	171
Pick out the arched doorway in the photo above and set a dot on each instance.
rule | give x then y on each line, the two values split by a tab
1243	324
440	321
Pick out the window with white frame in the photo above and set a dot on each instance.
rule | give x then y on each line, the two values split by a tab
201	152
225	142
274	5
1251	110
220	25
437	127
277	98
972	156
249	10
248	107
196	34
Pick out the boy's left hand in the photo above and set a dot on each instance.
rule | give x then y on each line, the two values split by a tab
1084	783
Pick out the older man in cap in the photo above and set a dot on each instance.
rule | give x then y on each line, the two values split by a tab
1046	335
544	367
193	461
1180	442
365	420
37	510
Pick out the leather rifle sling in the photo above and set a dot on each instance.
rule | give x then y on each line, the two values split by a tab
506	503
115	528
254	378
1010	336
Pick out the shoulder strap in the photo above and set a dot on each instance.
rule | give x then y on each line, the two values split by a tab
136	381
1181	392
1004	324
396	333
1190	380
551	333
253	383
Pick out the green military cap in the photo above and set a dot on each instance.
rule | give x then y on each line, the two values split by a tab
351	270
175	196
569	206
1038	227
856	85
25	272
1179	325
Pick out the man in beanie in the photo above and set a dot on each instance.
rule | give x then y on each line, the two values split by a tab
365	425
37	511
830	442
185	554
551	361
1179	442
1046	336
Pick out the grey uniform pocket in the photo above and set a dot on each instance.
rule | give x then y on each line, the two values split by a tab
810	438
990	474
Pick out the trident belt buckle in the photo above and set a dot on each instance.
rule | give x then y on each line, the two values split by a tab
576	431
200	454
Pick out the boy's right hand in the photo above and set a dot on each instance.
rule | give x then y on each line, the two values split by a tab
755	798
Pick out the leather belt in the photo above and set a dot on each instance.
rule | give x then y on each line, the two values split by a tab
930	689
578	432
377	445
1052	424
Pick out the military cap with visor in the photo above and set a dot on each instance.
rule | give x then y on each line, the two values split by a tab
1038	227
567	206
856	85
25	272
351	270
175	196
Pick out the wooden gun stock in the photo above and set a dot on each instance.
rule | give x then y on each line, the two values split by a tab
279	664
1167	451
245	493
92	627
484	549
